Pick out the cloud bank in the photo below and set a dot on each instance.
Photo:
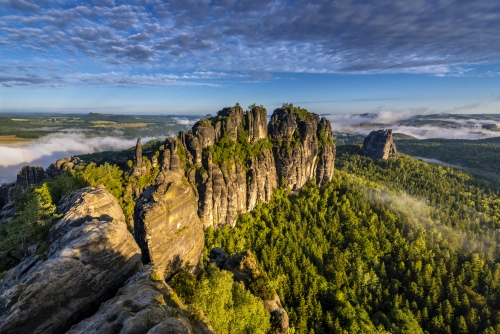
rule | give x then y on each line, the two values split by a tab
48	149
456	128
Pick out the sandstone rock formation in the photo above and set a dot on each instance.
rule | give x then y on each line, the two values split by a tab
89	255
380	145
167	227
63	164
145	304
303	146
30	175
137	168
245	269
6	194
221	167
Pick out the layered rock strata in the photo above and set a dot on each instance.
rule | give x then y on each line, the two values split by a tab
145	304
380	145
89	255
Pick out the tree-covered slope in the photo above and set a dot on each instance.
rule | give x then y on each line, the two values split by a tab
400	246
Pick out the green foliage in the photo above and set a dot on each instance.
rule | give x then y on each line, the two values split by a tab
400	246
226	150
302	113
229	307
324	138
482	157
33	219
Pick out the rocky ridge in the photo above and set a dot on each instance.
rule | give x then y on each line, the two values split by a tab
89	255
145	304
380	145
223	166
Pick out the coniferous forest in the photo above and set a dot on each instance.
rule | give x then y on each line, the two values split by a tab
388	246
397	246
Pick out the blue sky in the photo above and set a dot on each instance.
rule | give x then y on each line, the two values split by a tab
194	57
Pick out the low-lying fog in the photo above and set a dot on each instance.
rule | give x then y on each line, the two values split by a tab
48	149
456	128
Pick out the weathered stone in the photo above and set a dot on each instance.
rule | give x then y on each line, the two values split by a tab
303	147
58	167
7	213
137	168
6	194
90	255
256	124
30	175
145	304
166	224
380	145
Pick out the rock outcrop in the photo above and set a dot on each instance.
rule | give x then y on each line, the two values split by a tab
137	168
30	175
245	269
379	145
223	166
167	227
6	194
303	146
145	304
89	255
63	164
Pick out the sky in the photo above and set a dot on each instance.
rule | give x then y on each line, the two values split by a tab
195	57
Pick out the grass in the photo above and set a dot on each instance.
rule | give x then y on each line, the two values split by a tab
6	140
20	119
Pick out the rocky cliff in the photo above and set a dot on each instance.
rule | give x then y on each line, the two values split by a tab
379	145
145	304
225	165
89	255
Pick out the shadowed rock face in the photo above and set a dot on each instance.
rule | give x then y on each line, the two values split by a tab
379	145
90	255
145	304
221	167
30	175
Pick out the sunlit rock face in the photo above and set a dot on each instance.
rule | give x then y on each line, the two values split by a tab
145	304
167	227
224	166
90	254
380	145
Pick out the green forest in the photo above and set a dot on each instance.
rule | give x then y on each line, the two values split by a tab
399	246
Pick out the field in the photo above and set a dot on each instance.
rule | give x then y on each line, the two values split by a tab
7	140
111	124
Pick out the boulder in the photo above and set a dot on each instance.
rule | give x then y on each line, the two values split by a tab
380	145
145	304
89	255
